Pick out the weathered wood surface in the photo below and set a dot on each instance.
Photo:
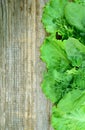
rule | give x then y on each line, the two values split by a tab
22	104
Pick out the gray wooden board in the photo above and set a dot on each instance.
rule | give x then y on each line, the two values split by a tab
22	103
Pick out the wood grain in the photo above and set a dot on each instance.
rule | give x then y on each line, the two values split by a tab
22	104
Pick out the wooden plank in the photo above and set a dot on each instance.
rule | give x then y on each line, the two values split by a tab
22	104
43	106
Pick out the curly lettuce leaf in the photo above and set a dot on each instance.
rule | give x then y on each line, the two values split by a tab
53	10
53	54
62	55
75	15
75	51
65	61
79	79
64	81
82	2
69	114
55	84
54	21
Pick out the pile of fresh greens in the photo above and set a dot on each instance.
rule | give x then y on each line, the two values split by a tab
63	51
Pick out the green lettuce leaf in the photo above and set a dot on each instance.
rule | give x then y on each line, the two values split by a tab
79	79
64	55
75	51
53	54
69	114
65	62
54	20
82	2
75	15
55	84
52	11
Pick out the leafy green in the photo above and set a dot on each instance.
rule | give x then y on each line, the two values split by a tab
56	84
54	19
75	15
75	51
54	9
69	114
64	55
63	28
79	79
82	2
65	63
53	54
